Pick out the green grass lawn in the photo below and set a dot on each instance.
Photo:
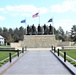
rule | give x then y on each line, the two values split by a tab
4	46
71	53
4	55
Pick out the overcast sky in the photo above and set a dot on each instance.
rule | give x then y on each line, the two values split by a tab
63	13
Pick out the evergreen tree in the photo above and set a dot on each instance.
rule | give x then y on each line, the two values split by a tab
21	33
73	33
1	31
16	35
10	39
11	32
61	34
11	35
5	34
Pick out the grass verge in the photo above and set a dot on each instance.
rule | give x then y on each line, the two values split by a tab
71	53
4	57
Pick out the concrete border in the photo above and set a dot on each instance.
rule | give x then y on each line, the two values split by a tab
8	64
69	66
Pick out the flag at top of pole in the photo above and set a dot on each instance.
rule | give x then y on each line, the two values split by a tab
35	15
23	21
50	20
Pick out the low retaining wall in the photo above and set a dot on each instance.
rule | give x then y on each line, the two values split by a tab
15	45
68	47
7	49
66	43
40	41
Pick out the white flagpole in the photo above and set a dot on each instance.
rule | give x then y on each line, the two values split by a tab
39	16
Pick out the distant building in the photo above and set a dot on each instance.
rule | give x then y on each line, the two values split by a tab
1	40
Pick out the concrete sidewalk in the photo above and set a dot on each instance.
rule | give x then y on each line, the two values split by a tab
37	63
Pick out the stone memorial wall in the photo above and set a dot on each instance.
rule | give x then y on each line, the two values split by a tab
38	41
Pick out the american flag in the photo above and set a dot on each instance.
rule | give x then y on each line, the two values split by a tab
35	15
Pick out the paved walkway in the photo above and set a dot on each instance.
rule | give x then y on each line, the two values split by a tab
37	63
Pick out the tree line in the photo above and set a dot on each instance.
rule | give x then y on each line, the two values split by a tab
17	34
12	35
73	33
68	36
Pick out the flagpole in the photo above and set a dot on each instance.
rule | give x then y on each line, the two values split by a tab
24	21
39	17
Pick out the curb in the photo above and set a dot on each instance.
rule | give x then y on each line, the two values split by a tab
11	64
70	67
